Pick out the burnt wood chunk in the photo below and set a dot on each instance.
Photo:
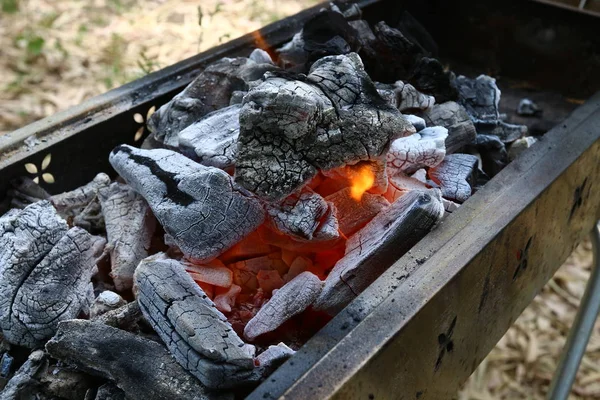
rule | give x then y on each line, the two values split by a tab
129	229
25	383
408	98
199	207
293	298
273	357
24	191
110	391
353	215
210	91
455	175
142	368
383	240
423	149
454	117
195	332
69	204
305	216
126	317
493	153
291	127
212	140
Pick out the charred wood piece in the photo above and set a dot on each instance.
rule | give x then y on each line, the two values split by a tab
493	153
273	357
212	141
126	317
408	98
423	149
195	332
142	368
417	122
384	239
24	192
129	229
199	207
527	107
91	218
454	117
70	204
106	301
353	215
455	175
290	129
210	91
25	383
293	298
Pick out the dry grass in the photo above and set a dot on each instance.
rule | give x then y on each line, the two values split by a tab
56	53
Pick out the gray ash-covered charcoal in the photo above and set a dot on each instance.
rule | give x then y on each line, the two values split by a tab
527	107
382	241
109	391
142	368
292	299
260	56
129	228
455	175
417	122
210	91
70	204
293	126
519	146
126	317
195	332
454	117
410	99
105	302
493	153
199	207
25	383
423	149
305	216
213	140
273	357
508	133
24	191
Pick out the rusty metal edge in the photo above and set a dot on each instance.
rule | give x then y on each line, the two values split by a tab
357	337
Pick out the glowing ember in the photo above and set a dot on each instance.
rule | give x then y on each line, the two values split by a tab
361	181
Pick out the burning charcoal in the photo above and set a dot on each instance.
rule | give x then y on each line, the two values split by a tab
212	140
417	122
455	175
328	33
408	98
25	191
25	384
210	91
199	207
305	216
493	153
69	204
383	240
106	301
35	299
424	149
450	206
126	317
214	273
195	332
270	359
353	215
520	145
293	298
260	56
292	54
225	298
289	129
110	391
142	368
129	229
528	108
453	117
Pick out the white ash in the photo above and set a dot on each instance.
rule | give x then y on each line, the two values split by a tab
455	175
105	302
70	204
454	117
519	146
417	122
423	149
408	98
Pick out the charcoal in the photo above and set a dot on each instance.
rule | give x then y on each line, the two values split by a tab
91	218
508	133
212	141
260	56
450	206
527	107
126	317
407	183
353	215
292	54
210	91
25	384
455	175
417	122
520	145
129	229
110	391
430	78
416	33
142	368
348	10
106	301
273	357
25	191
382	241
34	298
293	298
289	129
304	216
387	93
409	99
423	149
199	207
195	332
69	204
493	153
454	117
65	383
328	33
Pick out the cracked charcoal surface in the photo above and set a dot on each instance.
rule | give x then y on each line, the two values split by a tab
424	149
290	129
353	215
129	229
195	332
142	368
383	240
273	357
305	216
69	204
455	175
213	140
210	91
293	298
198	206
56	288
408	98
454	117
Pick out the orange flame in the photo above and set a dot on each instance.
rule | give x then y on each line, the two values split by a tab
361	181
261	43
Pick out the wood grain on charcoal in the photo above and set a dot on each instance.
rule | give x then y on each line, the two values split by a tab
455	175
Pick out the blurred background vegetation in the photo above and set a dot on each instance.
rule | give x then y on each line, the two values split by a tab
56	53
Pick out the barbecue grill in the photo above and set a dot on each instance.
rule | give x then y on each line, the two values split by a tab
422	328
